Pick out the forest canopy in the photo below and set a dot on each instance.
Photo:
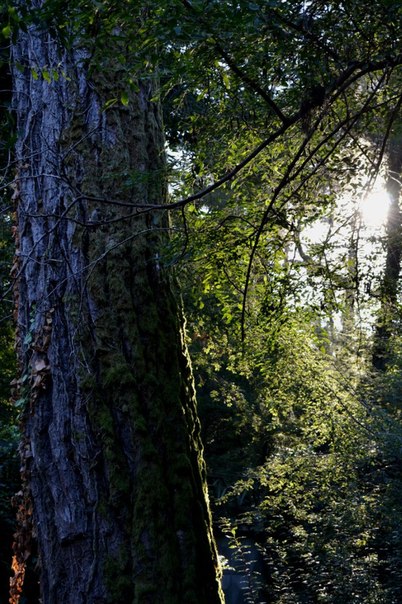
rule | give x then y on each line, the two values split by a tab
279	120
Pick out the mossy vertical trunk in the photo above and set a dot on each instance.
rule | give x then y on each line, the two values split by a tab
387	316
111	446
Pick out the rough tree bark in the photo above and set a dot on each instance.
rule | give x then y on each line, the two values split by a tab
385	326
111	441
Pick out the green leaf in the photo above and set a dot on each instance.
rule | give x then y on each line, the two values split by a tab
124	99
6	31
109	104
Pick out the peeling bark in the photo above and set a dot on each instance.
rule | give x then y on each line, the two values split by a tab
111	445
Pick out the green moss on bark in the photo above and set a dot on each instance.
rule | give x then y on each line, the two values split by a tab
138	378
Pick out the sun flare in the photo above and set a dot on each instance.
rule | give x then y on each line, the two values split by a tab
374	206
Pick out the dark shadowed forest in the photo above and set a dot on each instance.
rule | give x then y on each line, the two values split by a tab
200	302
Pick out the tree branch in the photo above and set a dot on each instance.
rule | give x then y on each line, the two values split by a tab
245	78
307	34
287	178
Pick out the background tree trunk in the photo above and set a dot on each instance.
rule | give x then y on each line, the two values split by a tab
111	448
385	326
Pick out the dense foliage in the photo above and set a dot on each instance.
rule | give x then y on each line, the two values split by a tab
304	452
273	110
303	460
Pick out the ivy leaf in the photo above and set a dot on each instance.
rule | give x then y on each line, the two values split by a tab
109	104
124	99
6	31
46	76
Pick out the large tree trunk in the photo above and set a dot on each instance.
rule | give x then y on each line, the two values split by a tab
111	445
388	314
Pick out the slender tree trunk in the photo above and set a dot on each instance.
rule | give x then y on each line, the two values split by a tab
111	448
385	327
